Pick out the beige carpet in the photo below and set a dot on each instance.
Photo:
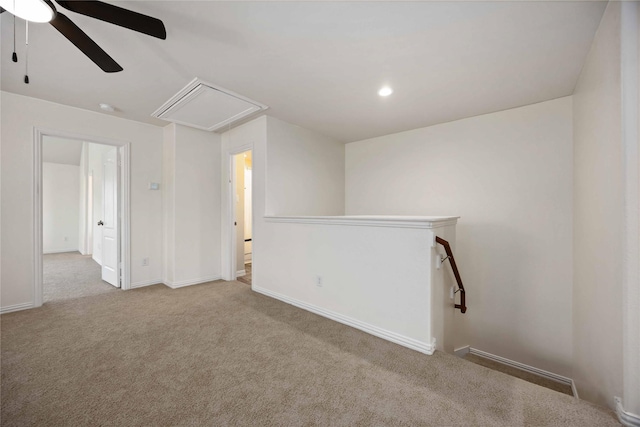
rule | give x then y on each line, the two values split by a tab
71	275
218	354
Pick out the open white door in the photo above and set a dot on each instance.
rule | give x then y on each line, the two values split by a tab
110	220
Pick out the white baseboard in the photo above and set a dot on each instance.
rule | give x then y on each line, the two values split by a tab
422	347
59	251
574	390
626	418
537	371
183	283
462	351
144	283
16	307
241	273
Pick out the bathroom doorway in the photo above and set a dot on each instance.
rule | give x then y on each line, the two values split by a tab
242	167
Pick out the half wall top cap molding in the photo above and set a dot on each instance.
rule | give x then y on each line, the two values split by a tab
206	106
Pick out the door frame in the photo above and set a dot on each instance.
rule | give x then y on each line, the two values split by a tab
231	244
124	156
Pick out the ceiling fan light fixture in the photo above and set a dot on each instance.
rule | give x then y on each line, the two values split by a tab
385	91
30	10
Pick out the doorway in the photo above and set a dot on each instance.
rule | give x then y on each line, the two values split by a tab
81	216
243	215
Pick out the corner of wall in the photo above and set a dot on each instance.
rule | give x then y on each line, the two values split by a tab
600	237
305	171
168	214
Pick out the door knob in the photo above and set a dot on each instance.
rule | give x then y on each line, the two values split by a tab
100	222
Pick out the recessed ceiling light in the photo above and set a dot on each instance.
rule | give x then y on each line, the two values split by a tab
107	107
385	91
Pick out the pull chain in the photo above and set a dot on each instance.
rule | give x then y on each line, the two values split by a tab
26	57
14	57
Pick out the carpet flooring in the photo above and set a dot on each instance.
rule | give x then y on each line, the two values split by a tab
71	275
218	354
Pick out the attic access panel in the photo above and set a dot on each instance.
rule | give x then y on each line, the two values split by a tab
206	106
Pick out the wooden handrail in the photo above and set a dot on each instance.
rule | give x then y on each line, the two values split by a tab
462	306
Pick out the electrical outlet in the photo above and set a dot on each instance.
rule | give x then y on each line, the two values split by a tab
319	281
451	293
145	261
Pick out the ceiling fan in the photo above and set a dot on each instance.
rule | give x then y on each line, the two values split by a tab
45	11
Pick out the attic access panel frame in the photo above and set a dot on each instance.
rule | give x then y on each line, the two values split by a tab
201	97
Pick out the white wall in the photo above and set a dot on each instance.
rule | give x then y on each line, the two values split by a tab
83	220
509	176
192	205
376	275
20	115
60	201
295	172
305	173
630	46
598	217
168	203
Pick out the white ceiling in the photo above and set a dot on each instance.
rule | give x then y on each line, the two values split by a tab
319	64
61	150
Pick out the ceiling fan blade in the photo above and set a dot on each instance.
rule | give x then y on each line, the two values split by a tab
83	42
116	15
